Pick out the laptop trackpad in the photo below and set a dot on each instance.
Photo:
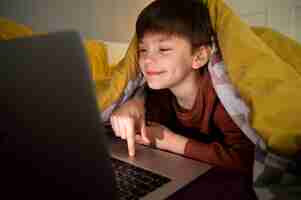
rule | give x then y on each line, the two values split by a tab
162	162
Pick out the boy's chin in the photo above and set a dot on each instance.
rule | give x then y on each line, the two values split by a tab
155	86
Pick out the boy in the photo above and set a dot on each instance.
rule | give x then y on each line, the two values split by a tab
181	109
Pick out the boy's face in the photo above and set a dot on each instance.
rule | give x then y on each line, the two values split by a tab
165	60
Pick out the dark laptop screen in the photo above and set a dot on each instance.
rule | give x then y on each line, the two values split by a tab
52	140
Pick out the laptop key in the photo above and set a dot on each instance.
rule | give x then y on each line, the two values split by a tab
134	182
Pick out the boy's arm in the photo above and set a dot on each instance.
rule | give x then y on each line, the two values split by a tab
236	151
128	119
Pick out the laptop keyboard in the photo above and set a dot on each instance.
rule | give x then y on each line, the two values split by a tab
133	182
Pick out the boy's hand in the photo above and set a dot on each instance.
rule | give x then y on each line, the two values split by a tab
162	138
127	120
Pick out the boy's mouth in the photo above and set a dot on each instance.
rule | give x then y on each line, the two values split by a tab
153	73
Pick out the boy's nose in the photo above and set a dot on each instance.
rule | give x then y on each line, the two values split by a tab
150	58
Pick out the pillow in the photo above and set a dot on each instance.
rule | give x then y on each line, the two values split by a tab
10	29
116	51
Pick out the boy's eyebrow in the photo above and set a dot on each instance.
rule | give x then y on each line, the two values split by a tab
167	38
162	39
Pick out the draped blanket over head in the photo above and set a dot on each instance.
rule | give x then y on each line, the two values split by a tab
256	74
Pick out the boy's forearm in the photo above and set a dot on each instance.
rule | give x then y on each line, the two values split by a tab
139	100
178	143
171	142
236	158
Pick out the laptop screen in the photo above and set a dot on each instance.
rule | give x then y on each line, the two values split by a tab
52	140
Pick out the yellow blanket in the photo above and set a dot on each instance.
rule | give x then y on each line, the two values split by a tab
264	66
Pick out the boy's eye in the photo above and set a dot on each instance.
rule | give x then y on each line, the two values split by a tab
165	49
141	50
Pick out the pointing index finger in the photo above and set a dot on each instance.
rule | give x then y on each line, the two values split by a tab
131	137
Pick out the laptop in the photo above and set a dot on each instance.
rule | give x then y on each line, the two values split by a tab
52	141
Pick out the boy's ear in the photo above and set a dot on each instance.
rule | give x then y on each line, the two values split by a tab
201	57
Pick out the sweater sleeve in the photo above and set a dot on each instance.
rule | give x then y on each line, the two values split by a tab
235	151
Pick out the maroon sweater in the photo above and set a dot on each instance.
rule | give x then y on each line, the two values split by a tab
213	136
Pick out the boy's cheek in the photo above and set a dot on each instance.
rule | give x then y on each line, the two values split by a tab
140	63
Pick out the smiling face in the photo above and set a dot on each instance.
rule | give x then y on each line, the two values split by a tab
166	61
